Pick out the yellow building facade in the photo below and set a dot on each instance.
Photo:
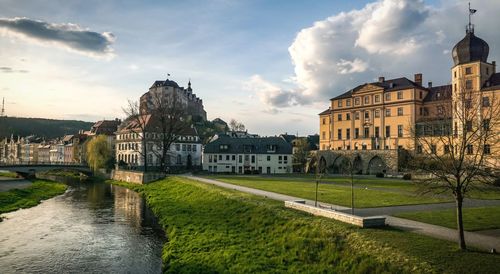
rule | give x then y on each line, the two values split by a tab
388	114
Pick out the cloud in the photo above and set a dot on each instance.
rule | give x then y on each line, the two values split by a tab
271	94
391	38
67	35
11	70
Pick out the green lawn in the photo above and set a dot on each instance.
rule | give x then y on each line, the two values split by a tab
8	174
31	196
329	193
480	218
215	230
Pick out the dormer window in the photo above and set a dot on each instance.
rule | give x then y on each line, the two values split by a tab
223	147
271	148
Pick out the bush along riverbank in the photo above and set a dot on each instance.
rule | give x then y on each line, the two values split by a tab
217	230
31	196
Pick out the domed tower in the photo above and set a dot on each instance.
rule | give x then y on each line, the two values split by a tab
470	56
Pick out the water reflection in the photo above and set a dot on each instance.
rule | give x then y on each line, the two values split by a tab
91	228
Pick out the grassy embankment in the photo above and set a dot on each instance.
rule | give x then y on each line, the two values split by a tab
480	218
210	229
63	173
8	174
31	196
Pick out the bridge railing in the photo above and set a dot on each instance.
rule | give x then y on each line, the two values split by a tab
43	164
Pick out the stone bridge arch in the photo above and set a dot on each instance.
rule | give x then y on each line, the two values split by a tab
365	161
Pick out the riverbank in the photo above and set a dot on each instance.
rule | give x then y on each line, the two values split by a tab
210	229
31	196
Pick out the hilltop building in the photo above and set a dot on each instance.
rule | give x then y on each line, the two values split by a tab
185	96
381	116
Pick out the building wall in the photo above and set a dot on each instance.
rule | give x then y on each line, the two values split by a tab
239	163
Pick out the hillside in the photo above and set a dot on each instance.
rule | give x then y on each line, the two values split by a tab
47	128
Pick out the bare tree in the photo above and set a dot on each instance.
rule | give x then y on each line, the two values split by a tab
459	148
236	126
137	123
171	120
300	153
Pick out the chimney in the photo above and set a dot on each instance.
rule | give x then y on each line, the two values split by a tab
430	84
381	79
418	78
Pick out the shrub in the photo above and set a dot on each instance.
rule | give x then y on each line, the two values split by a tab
407	176
380	175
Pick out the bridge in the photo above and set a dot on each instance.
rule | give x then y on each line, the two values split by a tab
363	161
31	169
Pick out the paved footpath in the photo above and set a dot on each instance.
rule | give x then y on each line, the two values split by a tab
477	240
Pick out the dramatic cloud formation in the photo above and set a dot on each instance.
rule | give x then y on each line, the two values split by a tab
391	38
69	36
272	95
11	70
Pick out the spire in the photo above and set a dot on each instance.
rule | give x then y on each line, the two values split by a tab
470	26
189	85
2	113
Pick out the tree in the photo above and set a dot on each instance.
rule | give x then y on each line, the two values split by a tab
347	166
236	126
139	122
300	153
459	148
99	152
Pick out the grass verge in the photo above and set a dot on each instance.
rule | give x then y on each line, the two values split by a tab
8	174
213	230
31	196
479	218
334	194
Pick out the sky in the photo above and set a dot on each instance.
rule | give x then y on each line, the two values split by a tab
273	65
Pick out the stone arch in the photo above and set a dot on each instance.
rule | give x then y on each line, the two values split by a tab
339	165
322	165
357	164
376	165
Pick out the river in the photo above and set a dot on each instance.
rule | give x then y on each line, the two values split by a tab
92	228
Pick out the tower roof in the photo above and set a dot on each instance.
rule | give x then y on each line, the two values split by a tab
471	48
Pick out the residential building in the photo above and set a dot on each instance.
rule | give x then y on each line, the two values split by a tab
242	154
130	144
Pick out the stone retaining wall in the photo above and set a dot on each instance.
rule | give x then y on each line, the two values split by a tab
374	221
137	177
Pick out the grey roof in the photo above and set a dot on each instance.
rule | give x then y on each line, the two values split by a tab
388	85
328	111
471	48
438	93
248	145
492	83
166	83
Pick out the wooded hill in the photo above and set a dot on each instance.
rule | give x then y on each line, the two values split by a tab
47	128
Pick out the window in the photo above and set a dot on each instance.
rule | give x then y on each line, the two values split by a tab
366	133
356	115
367	100
233	157
339	134
455	74
253	158
400	130
440	110
188	147
348	102
468	70
194	147
220	157
356	133
433	149
323	135
487	149
367	115
356	101
339	117
468	103
240	159
268	158
420	94
446	149
400	111
348	133
388	96
177	147
455	87
468	126
400	95
363	147
387	131
486	124
285	159
179	159
377	98
348	116
387	112
377	132
468	84
377	113
470	149
324	121
486	101
227	157
487	71
183	147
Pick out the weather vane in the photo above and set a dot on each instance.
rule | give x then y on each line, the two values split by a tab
470	27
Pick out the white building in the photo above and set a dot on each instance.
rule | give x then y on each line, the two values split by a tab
230	153
183	153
